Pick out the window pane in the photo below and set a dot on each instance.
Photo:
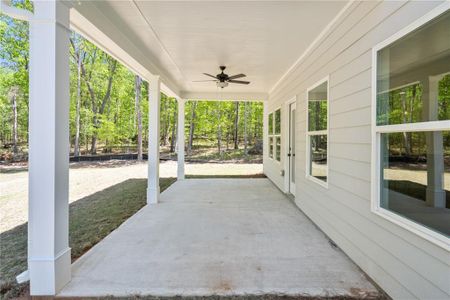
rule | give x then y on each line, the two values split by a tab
415	173
413	80
271	147
271	123
317	107
278	148
318	150
277	121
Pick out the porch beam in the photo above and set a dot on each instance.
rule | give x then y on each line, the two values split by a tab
48	226
180	140
154	98
224	96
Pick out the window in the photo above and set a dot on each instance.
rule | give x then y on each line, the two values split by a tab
317	133
412	129
275	135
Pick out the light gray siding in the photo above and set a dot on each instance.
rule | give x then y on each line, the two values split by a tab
405	265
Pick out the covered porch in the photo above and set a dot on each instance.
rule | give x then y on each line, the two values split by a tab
218	237
226	237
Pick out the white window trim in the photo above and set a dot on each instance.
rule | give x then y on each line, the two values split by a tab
319	132
414	227
274	137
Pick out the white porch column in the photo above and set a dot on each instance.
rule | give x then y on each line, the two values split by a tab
154	98
180	140
435	194
48	225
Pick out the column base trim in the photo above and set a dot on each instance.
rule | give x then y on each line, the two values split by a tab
153	195
49	275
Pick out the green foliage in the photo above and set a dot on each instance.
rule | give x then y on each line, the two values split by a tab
14	60
91	219
407	105
214	118
107	112
317	113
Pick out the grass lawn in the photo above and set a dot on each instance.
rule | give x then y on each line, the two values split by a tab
225	176
91	219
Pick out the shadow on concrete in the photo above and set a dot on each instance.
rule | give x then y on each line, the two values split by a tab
91	219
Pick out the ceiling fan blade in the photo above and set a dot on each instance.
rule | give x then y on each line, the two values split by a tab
210	75
237	76
239	81
203	80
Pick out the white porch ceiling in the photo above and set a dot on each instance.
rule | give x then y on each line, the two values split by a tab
183	39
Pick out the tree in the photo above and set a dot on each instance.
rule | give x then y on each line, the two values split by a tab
192	126
98	97
236	126
245	128
79	56
13	95
105	104
174	131
219	127
137	93
14	63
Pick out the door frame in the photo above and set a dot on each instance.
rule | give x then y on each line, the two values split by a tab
287	139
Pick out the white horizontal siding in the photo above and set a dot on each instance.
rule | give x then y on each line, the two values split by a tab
402	263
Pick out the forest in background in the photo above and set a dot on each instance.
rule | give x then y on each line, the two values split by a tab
109	107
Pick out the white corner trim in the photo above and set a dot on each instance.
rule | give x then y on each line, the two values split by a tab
313	44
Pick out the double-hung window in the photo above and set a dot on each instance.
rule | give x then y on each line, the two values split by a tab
411	128
275	135
317	133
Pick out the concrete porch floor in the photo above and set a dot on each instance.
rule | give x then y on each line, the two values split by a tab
218	237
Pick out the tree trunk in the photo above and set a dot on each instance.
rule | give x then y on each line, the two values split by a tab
86	144
219	129
137	97
15	125
317	123
245	128
236	123
100	111
174	131
166	118
76	147
192	127
228	138
405	134
93	150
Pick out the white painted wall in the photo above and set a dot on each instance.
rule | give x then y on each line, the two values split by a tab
405	265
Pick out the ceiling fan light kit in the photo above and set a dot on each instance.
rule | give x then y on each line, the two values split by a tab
222	80
222	84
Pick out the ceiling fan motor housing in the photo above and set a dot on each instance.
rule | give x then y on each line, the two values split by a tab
223	79
222	76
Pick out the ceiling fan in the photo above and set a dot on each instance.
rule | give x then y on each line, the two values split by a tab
223	79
